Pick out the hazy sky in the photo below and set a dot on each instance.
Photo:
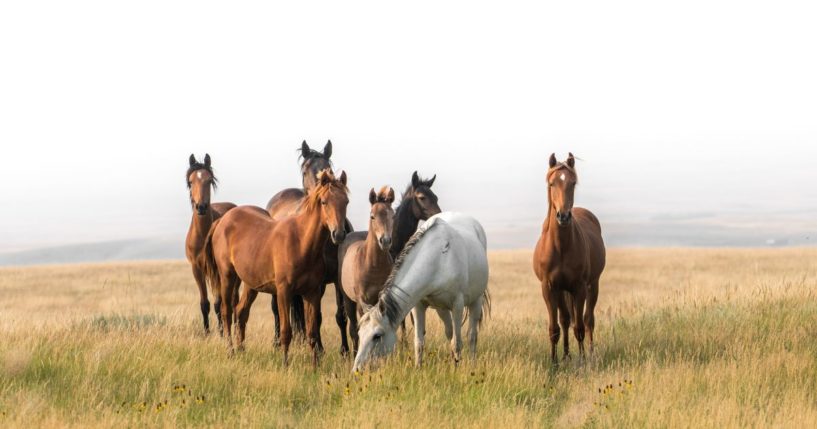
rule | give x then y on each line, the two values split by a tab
690	107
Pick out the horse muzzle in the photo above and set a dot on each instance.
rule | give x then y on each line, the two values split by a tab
338	235
384	242
564	218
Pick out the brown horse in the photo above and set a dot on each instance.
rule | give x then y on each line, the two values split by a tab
287	203
200	181
283	257
365	261
568	259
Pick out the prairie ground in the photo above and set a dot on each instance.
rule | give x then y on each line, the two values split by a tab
685	337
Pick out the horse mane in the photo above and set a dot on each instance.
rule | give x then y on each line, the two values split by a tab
199	166
311	200
387	305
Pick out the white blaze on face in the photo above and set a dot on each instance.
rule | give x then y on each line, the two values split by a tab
198	174
562	177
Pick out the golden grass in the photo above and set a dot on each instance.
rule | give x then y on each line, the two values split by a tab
708	338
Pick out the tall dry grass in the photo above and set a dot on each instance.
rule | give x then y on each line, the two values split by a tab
705	338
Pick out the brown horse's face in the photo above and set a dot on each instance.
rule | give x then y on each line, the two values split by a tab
562	181
333	209
201	182
424	201
381	217
314	163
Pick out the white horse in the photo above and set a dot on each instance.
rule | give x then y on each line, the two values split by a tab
444	265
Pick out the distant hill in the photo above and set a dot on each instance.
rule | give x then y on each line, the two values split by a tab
123	250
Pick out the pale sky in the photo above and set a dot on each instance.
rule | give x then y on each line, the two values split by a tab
675	109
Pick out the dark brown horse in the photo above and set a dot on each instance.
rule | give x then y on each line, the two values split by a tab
287	203
418	203
568	259
200	182
283	257
365	261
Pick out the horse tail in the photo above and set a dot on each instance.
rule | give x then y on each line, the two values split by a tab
210	264
486	309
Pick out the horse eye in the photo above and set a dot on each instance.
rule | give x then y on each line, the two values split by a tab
371	217
422	197
377	337
323	202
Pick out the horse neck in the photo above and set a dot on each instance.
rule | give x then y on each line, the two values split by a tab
405	223
410	286
562	237
200	225
375	256
311	231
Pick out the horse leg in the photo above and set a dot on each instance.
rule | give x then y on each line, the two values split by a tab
565	302
235	302
474	318
276	320
340	318
204	303
243	311
589	312
350	308
578	312
285	329
456	316
419	312
227	285
312	305
296	312
551	296
448	325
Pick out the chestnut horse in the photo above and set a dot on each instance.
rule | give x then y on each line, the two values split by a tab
287	203
283	257
365	261
568	259
200	181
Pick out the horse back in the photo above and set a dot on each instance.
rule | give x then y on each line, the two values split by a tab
285	203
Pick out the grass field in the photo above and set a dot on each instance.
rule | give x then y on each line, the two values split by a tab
685	337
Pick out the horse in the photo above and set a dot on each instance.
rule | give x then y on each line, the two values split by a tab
418	203
282	257
444	265
287	203
569	259
365	260
200	180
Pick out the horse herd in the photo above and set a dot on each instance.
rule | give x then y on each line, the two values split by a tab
398	267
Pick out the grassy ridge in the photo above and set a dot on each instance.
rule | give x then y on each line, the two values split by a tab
685	338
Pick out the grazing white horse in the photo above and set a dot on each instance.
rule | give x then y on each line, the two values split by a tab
444	265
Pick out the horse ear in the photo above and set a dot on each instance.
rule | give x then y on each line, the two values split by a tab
381	306
372	197
207	160
431	182
415	180
571	162
327	150
192	160
304	149
343	177
390	196
552	161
